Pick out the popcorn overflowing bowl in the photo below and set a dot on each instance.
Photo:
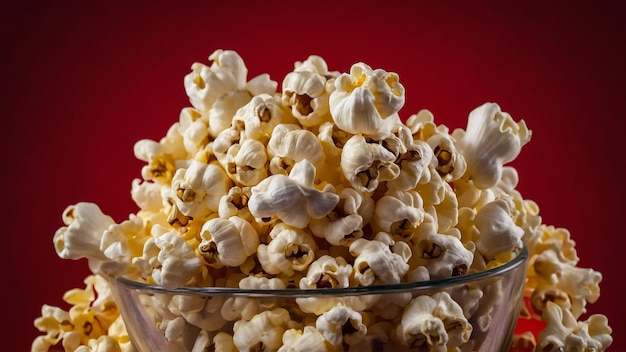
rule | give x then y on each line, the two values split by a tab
314	218
476	312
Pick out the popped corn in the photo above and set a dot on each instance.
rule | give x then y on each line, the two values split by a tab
320	185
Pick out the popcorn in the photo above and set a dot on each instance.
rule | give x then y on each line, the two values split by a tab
227	242
206	84
345	223
304	90
197	190
168	260
375	263
341	325
431	323
308	339
365	164
290	250
263	332
498	233
289	144
293	199
564	333
321	186
491	139
373	95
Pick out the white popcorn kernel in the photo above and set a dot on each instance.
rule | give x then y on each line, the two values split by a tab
81	236
578	285
308	339
259	117
147	195
235	203
263	332
340	325
331	272
198	189
422	125
290	249
235	308
447	210
551	237
169	260
376	263
205	84
444	255
365	164
202	312
261	84
399	214
432	323
333	140
289	144
160	167
193	127
103	343
345	222
414	166
93	235
498	233
564	333
224	109
451	164
221	342
224	141
390	305
327	272
246	162
293	199
304	90
227	242
364	98
491	140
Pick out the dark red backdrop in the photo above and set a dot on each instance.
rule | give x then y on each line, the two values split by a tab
81	83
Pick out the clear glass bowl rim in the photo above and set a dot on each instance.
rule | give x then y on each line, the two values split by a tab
429	285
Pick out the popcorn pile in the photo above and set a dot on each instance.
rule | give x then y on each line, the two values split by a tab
320	185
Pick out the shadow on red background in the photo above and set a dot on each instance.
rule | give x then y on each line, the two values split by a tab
81	83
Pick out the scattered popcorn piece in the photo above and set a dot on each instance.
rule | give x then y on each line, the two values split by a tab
564	333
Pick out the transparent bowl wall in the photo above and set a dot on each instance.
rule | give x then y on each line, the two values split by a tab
493	315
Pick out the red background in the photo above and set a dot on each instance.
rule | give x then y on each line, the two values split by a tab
81	83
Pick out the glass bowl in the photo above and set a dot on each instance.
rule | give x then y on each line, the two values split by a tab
159	319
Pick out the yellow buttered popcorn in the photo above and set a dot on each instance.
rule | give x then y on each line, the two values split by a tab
320	185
